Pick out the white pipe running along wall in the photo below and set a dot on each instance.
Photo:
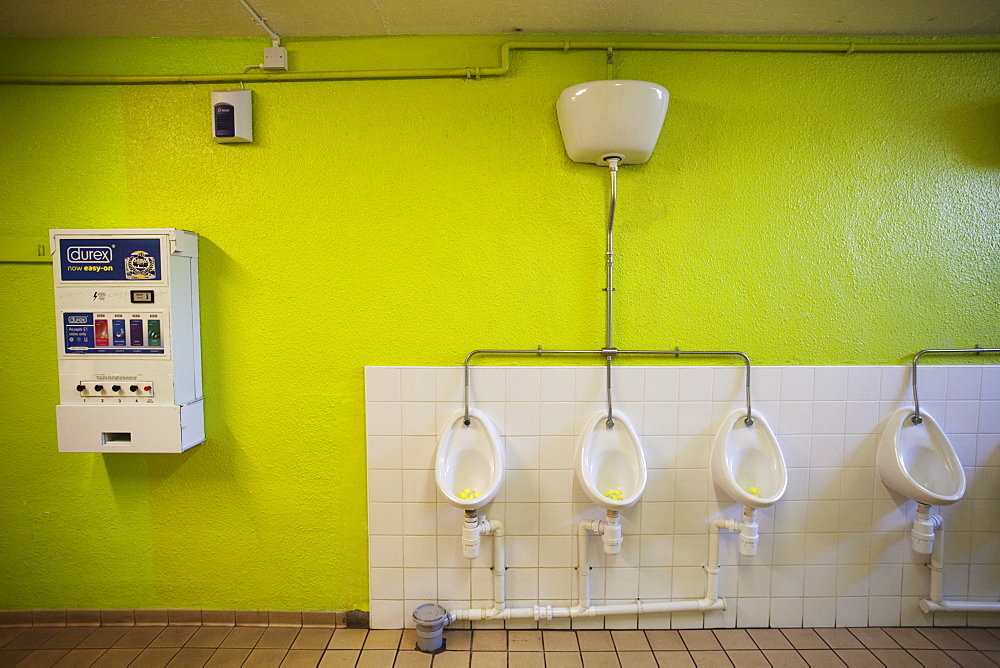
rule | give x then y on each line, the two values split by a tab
583	608
936	602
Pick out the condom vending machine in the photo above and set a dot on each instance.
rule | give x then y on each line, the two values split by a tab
128	335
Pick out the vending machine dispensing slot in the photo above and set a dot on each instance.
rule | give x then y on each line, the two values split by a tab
128	333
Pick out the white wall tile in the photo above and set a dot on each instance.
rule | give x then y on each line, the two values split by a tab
418	383
382	383
523	384
834	550
661	384
557	384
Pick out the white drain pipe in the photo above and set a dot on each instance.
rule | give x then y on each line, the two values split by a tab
583	608
936	602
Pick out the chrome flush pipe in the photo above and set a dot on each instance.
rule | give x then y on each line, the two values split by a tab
609	349
915	418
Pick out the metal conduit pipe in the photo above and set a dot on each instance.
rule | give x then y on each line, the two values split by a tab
505	49
748	420
916	419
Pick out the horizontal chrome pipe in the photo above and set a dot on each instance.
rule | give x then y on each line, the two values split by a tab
916	419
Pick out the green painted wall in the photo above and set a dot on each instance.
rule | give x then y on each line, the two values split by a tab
806	209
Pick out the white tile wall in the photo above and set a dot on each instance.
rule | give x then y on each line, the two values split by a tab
834	551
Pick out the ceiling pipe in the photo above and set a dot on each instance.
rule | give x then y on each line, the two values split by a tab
846	48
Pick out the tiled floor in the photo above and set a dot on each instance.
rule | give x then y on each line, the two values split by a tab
183	646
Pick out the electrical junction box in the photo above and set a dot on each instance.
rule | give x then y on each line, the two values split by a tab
128	336
232	116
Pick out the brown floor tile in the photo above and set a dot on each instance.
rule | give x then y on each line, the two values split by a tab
933	658
858	658
242	637
674	658
600	660
970	658
284	618
79	658
993	655
376	658
302	658
524	641
821	658
630	641
413	659
103	637
981	639
348	639
116	658
174	636
191	657
139	636
710	659
184	617
43	658
527	659
68	638
489	641
874	638
209	636
909	638
452	659
228	657
804	639
339	658
785	658
460	639
896	658
32	638
558	660
665	640
267	657
839	639
13	657
312	639
48	617
9	633
277	637
637	659
388	639
734	639
944	638
15	617
408	641
595	641
747	658
488	659
154	657
560	641
769	639
701	640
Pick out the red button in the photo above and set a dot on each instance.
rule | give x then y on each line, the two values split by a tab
147	388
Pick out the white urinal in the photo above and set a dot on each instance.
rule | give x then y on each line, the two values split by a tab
747	463
918	462
469	462
609	462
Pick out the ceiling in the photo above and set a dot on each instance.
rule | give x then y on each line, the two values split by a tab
313	18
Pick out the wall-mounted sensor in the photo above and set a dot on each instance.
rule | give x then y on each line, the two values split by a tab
232	116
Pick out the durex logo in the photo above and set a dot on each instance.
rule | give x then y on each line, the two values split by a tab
84	254
76	320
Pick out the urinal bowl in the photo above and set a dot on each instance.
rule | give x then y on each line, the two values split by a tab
747	463
918	461
610	465
469	462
